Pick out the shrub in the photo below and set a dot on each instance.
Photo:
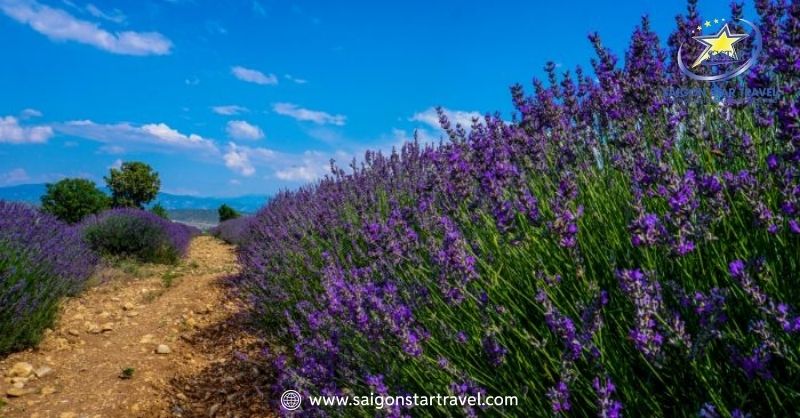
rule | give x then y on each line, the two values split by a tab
73	199
136	233
227	213
232	231
610	250
133	184
41	260
159	211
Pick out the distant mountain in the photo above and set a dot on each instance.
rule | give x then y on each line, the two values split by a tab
31	193
200	218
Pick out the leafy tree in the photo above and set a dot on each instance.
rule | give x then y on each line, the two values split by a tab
73	199
226	213
133	185
160	211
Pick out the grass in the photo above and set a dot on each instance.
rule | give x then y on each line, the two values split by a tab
127	373
168	278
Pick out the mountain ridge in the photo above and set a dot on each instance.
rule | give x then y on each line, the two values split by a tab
31	193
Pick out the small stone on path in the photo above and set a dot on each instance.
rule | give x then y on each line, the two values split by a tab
17	392
20	369
42	371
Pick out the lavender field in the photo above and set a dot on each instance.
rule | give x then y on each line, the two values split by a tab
610	251
624	242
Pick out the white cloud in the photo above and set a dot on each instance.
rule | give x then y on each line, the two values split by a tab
112	149
238	160
253	76
116	164
192	81
302	114
295	79
239	129
431	118
115	15
229	110
158	134
295	168
30	113
312	166
15	176
12	132
59	25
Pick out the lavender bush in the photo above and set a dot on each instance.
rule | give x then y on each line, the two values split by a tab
232	231
609	251
136	233
41	261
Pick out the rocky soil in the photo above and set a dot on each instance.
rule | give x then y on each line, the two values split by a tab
147	341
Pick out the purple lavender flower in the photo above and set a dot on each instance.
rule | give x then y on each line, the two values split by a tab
493	350
608	407
467	388
562	325
772	162
375	383
708	410
559	397
442	362
756	364
457	266
647	230
778	311
646	297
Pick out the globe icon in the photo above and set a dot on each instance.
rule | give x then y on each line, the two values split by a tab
290	400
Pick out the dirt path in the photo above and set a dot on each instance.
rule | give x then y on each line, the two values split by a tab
149	341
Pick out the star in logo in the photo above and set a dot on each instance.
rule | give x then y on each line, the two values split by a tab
721	43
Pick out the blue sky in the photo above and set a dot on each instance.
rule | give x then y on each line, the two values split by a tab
250	96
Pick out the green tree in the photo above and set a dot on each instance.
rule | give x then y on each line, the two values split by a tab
73	199
160	211
226	212
134	184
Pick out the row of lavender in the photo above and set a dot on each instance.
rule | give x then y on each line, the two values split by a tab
136	233
609	251
233	231
43	259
